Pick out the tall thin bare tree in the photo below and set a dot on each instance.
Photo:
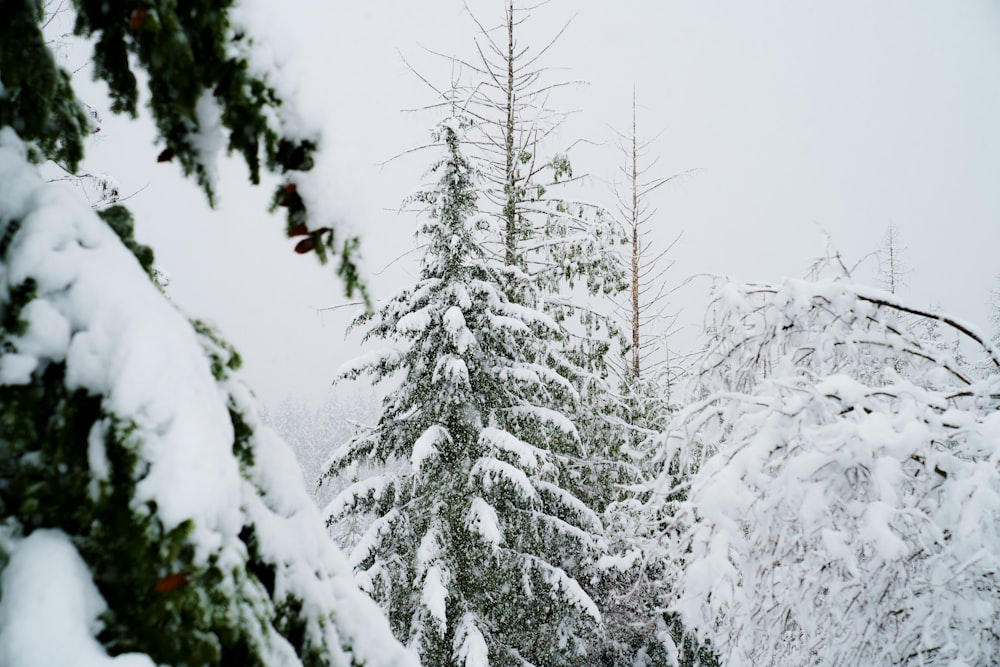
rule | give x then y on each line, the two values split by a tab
648	320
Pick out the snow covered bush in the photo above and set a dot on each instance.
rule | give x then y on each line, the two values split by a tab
146	516
475	537
844	512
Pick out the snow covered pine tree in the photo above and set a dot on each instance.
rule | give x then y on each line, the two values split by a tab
145	513
474	532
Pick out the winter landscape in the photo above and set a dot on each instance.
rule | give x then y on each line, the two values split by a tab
494	333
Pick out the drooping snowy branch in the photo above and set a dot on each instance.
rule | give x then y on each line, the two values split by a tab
844	505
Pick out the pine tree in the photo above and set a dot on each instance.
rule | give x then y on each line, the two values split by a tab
475	535
145	513
542	236
554	251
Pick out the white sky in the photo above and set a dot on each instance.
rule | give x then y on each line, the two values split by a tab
845	115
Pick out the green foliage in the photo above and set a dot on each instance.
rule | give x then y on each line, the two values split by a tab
194	58
11	323
68	460
36	96
120	220
476	540
190	52
54	443
220	352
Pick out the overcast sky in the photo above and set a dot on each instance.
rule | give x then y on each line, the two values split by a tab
802	118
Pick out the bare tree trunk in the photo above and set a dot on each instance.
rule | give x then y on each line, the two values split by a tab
510	208
634	221
645	268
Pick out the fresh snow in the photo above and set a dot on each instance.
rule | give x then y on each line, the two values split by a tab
128	344
426	444
50	608
483	520
494	472
527	455
120	338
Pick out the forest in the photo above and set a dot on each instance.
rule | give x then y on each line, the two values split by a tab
531	461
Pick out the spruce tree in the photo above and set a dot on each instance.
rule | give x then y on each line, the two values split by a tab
146	516
474	534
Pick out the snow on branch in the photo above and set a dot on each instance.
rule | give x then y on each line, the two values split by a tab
494	471
845	490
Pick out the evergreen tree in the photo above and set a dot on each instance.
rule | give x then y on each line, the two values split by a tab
145	513
554	251
475	538
542	237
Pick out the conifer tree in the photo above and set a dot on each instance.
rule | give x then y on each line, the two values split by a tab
146	516
554	250
542	235
475	535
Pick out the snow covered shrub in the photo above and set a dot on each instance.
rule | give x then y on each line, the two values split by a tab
844	512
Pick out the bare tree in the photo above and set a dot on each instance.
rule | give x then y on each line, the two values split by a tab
891	261
646	264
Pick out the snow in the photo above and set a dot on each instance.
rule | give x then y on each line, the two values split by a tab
348	498
426	444
483	520
50	608
587	516
369	541
17	368
354	367
121	339
453	368
434	596
545	415
453	319
454	322
622	562
470	646
494	471
97	456
124	333
568	586
414	322
527	455
842	504
308	567
48	332
210	139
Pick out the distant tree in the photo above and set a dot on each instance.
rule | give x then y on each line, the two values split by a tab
475	536
840	513
145	513
310	429
995	312
892	261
